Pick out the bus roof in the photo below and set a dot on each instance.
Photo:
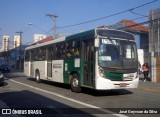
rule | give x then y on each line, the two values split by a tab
115	33
46	43
90	33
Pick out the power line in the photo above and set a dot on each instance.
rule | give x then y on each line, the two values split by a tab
146	22
131	9
130	19
49	31
137	13
142	23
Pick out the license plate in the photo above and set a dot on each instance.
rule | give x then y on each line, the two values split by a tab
123	84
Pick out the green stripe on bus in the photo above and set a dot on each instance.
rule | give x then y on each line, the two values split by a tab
114	76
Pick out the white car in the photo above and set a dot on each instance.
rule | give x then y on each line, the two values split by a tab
1	79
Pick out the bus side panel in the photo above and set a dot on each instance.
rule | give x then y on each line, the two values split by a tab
57	70
27	68
68	66
71	66
41	66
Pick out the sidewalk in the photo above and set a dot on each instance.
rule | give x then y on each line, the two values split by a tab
148	85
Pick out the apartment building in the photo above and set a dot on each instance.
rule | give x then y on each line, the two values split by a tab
38	37
17	41
5	43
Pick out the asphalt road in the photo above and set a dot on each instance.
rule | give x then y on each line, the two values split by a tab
57	100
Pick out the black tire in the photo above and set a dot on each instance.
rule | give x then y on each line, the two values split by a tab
2	83
75	84
38	77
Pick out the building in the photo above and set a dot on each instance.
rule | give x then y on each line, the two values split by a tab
154	31
140	32
50	38
154	43
5	43
38	37
17	41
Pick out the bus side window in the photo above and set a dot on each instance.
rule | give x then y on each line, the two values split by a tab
32	53
49	53
62	51
54	52
73	49
77	49
69	50
36	58
27	55
43	53
40	53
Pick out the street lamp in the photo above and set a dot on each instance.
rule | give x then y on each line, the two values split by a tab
31	24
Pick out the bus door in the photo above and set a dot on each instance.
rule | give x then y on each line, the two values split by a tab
32	63
88	62
49	62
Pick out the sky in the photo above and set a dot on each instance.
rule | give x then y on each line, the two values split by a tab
16	15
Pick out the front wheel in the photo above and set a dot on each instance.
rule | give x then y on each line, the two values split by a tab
75	84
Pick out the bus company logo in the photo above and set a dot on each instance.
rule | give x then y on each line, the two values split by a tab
57	66
6	111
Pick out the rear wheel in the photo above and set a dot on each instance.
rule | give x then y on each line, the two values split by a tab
75	83
38	77
2	83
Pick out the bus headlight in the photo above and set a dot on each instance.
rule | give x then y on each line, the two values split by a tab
131	75
101	72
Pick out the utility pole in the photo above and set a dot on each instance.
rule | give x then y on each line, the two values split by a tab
5	53
20	49
53	17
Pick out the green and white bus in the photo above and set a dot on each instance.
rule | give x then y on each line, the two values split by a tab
101	59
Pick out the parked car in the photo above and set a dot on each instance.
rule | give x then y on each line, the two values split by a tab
4	68
1	79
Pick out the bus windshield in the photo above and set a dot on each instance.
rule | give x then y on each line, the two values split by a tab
117	53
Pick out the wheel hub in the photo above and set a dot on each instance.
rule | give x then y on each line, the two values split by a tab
75	83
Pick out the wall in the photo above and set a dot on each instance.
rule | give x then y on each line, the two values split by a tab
158	68
143	56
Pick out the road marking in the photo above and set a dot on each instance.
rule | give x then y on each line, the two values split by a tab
70	99
147	89
57	110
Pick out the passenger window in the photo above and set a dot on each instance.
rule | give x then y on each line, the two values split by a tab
73	49
60	51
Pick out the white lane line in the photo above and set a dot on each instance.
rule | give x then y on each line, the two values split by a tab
70	99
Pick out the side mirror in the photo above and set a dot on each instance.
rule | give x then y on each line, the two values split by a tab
96	42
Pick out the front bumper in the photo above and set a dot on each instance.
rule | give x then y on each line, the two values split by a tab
106	84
